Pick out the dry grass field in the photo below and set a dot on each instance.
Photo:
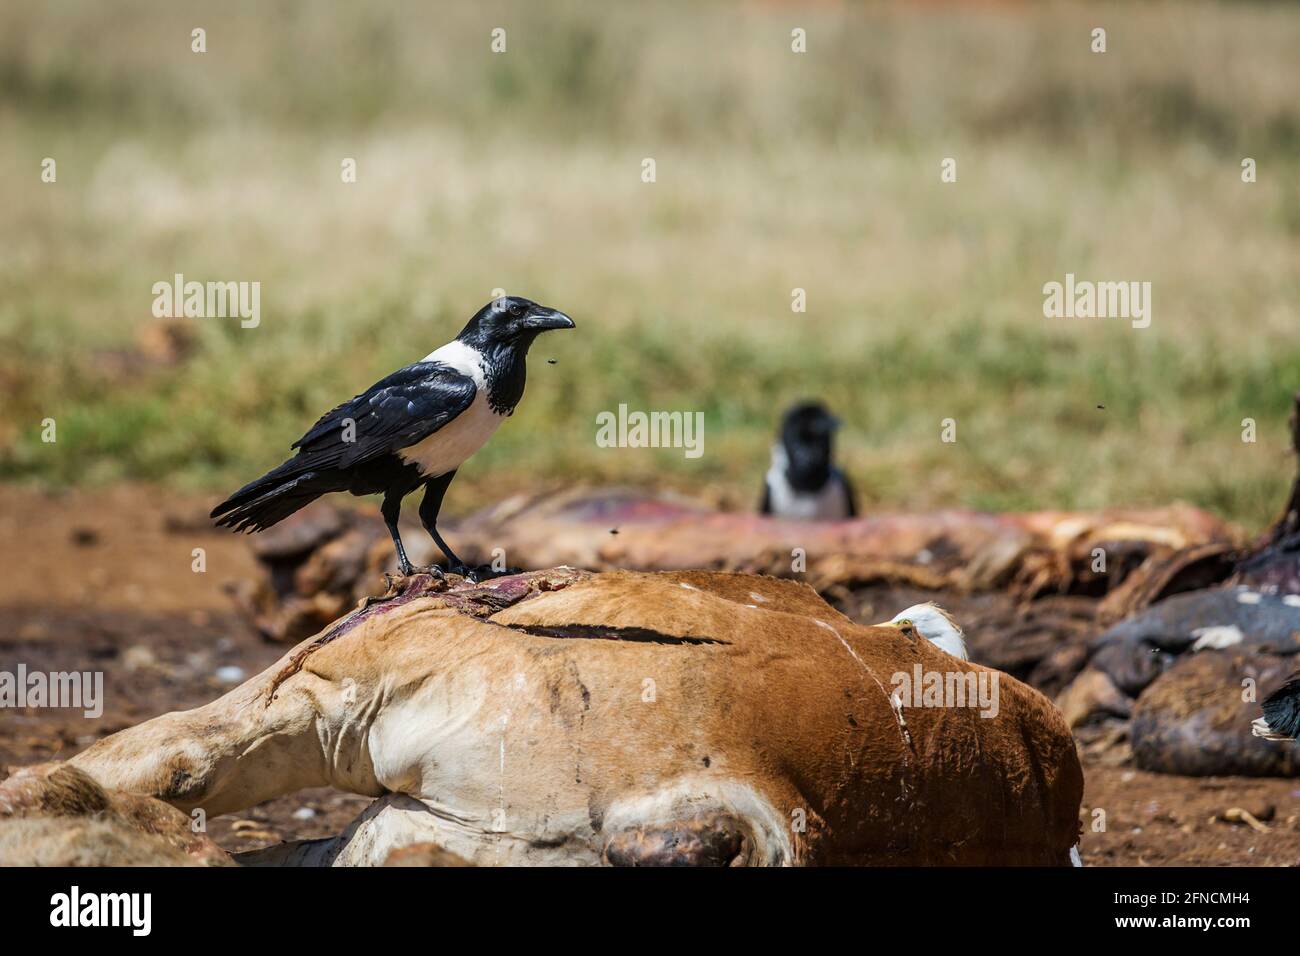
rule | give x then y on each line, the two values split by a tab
775	171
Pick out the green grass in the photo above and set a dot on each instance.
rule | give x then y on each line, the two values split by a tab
774	171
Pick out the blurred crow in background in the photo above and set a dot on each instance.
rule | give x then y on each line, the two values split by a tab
802	481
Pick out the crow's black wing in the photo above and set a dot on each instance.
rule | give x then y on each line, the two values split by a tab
1282	710
395	413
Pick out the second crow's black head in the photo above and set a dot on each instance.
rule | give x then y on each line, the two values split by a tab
807	434
511	321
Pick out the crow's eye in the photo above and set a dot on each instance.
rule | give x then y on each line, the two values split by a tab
516	310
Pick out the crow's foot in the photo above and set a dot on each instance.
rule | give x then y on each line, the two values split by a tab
470	574
486	572
437	572
454	567
397	583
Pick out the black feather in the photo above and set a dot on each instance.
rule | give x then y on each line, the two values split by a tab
394	413
1282	709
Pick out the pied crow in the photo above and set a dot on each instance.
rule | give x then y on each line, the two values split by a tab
413	428
802	482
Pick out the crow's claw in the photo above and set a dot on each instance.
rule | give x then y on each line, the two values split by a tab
465	571
485	572
411	570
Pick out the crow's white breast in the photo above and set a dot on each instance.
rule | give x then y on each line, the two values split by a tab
449	447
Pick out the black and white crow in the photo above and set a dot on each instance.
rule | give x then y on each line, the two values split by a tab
802	482
413	428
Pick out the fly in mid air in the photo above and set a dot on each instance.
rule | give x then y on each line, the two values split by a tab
411	429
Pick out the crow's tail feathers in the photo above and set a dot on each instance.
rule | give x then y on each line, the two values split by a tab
271	498
1281	720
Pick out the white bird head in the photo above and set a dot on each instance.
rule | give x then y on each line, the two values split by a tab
935	625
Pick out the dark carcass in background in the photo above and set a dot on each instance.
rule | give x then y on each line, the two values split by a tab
1206	637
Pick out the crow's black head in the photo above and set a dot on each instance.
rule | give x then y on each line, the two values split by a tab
511	321
806	435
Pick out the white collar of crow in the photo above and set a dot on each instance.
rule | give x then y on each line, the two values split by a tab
935	625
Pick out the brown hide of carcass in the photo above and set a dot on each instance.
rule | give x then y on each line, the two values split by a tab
757	683
315	572
54	814
608	529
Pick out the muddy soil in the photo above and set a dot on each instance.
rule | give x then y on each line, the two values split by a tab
107	581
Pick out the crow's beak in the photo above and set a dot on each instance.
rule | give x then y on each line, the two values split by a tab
548	319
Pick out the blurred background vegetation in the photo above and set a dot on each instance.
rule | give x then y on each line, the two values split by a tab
775	171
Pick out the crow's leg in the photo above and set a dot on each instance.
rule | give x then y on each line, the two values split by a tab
429	508
391	509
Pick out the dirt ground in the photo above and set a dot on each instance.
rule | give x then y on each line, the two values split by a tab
107	581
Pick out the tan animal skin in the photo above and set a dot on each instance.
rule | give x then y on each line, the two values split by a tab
560	717
54	814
